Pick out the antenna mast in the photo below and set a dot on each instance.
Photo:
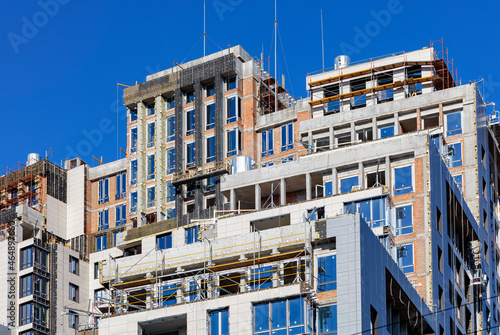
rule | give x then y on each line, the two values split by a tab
204	27
322	42
275	58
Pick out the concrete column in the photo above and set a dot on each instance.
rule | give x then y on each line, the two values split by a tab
243	282
310	140
374	128
149	298
282	192
308	186
396	124
388	172
419	120
441	116
361	176
334	181
258	197
232	199
353	133
332	138
179	296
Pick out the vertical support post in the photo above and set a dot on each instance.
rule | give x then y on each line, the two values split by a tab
334	181
310	140
282	192
441	115
308	186
397	127
258	197
419	120
361	176
332	138
388	172
353	133
232	200
374	128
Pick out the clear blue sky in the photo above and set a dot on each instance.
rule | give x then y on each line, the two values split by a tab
60	64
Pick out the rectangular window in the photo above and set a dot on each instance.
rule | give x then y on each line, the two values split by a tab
74	265
121	186
133	115
267	143
386	131
171	161
40	315
210	90
117	238
170	128
151	135
404	220
72	320
96	270
210	186
103	191
210	149
280	317
169	294
100	295
374	179
453	123
101	242
218	322
459	180
328	186
347	184
133	172
170	192
133	202
331	91
170	102
231	83
26	283
287	137
150	197
103	220
360	100
343	139
150	109
365	135
73	292
190	153
388	94
405	258
327	320
261	277
26	258
41	286
120	215
372	211
233	109
455	154
233	142
151	167
189	96
133	140
210	116
190	120
191	234
403	180
164	241
170	213
327	273
26	314
41	259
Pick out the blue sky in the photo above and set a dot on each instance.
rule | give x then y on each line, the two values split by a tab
62	59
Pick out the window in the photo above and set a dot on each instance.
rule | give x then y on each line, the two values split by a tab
233	142
133	172
388	94
440	259
170	192
439	222
41	286
96	270
280	317
74	266
26	285
405	258
26	314
117	238
170	213
103	191
121	186
210	116
327	273
210	149
210	186
365	135
261	277
120	215
73	292
458	179
150	109
100	295
171	161
133	115
103	220
26	258
287	159
455	154
403	180
101	242
218	322
133	140
40	315
327	320
190	153
231	83
347	184
164	241
192	234
287	137
453	123
151	134
72	320
190	120
170	102
328	187
151	167
343	139
169	294
386	131
374	179
150	197
371	210
331	91
404	220
189	96
233	109
210	90
170	128
133	202
41	259
267	143
360	100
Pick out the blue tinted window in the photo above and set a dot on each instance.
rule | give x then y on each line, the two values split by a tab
267	143
233	142
328	188
164	241
170	128
133	115
120	215
151	167
219	322
210	119
405	258
133	201
151	109
327	320
190	120
192	234
151	134
133	140
279	314
453	123
103	191
210	149
455	151
101	242
103	220
287	137
346	184
210	90
190	154
170	160
327	273
387	131
403	180
151	197
404	220
170	192
133	172
459	181
280	317
261	317
169	294
170	102
261	277
189	96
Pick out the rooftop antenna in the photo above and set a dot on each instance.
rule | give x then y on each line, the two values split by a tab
204	28
322	42
275	58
